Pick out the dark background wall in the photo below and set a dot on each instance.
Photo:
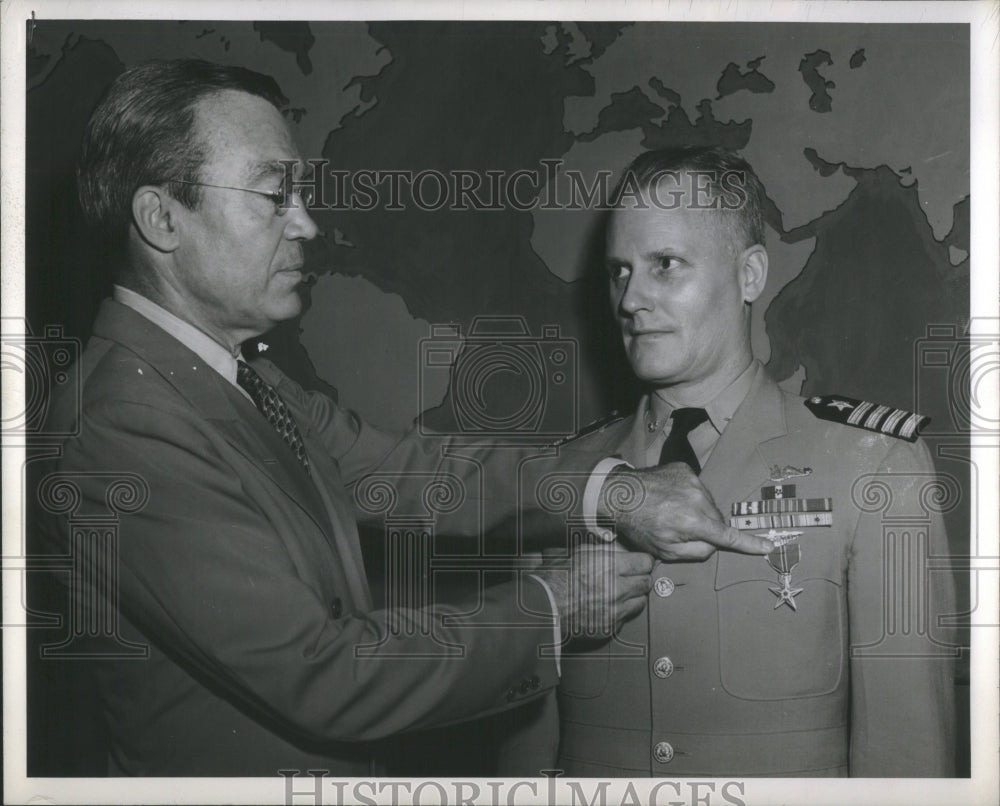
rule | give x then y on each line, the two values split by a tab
868	216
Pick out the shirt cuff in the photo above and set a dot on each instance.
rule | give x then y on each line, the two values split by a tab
592	495
556	626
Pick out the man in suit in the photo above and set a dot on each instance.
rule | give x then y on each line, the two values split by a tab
816	659
236	559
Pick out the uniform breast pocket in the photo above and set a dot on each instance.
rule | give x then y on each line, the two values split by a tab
770	650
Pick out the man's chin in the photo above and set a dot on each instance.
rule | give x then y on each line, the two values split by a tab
288	307
652	372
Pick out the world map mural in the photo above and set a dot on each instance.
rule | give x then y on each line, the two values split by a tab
859	133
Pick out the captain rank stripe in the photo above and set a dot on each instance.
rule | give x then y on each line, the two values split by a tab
772	505
782	521
870	416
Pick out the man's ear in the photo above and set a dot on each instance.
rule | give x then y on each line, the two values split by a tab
153	215
753	272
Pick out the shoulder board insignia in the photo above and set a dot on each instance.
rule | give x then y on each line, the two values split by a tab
870	416
591	428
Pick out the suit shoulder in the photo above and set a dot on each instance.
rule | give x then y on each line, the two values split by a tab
112	372
114	385
104	374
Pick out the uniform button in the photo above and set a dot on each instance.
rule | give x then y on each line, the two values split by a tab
535	681
663	752
511	693
525	686
336	608
663	586
663	667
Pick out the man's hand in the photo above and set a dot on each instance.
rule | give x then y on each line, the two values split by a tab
668	512
597	588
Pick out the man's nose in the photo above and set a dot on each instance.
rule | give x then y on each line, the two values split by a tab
636	296
300	226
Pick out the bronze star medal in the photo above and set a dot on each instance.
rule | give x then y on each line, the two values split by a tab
776	510
783	558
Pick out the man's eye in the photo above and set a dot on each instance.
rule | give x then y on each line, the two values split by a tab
617	273
666	263
285	198
280	199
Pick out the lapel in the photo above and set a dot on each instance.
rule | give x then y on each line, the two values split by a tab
218	401
738	465
633	447
329	486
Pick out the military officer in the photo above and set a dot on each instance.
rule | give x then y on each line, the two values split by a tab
810	661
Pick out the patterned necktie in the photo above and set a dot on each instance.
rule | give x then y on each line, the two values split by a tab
677	448
273	408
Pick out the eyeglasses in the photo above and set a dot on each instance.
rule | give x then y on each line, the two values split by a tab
282	199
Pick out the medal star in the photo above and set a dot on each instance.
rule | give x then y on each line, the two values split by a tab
786	595
840	405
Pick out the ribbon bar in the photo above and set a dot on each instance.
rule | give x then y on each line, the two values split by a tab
775	505
782	521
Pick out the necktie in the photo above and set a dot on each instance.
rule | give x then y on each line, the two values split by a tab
273	408
677	448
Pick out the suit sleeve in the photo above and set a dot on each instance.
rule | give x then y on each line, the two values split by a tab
902	659
210	579
530	491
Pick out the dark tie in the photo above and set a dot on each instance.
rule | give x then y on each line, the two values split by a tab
273	408
677	448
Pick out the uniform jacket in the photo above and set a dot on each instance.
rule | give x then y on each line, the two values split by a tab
244	577
712	680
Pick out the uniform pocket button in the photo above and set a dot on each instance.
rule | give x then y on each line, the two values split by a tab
336	608
663	752
664	586
663	667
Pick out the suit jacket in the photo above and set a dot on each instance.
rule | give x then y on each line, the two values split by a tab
245	579
714	680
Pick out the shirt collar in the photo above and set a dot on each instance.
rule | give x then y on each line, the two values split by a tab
720	410
201	344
